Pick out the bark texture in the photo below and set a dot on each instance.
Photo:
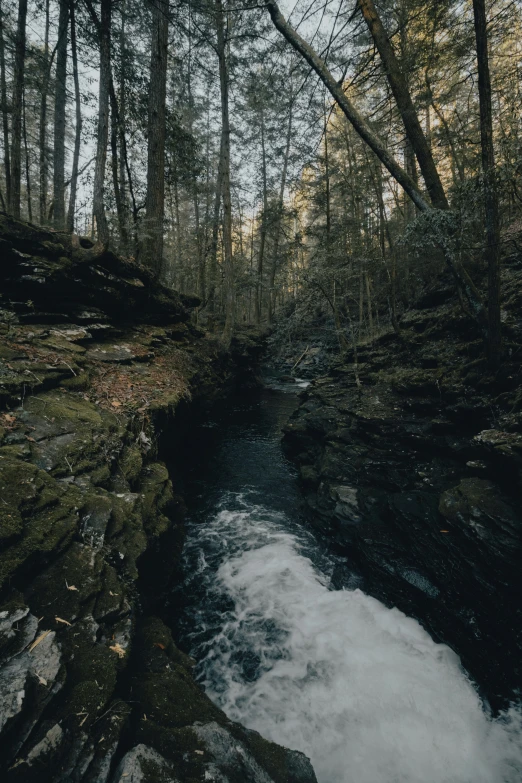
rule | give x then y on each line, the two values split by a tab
17	108
401	93
155	200
491	209
60	101
225	152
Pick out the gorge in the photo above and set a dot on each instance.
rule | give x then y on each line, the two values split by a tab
174	582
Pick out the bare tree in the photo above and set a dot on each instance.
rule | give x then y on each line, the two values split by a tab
17	108
152	252
79	122
225	151
364	130
60	102
5	116
401	93
489	184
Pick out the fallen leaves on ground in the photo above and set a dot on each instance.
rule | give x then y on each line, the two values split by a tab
37	641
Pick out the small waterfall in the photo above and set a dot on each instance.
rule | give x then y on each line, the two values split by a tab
362	689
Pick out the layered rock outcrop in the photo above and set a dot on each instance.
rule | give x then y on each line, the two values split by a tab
411	461
99	368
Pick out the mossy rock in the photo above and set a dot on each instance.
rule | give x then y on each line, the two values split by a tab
80	382
70	436
130	462
92	671
414	381
39	515
65	587
111	596
156	488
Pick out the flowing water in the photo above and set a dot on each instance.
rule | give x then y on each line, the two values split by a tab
361	689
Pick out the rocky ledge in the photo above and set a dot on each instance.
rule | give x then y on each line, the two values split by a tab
99	367
411	460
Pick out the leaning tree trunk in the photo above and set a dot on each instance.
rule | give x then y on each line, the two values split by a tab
364	130
152	249
227	200
401	93
60	102
490	186
5	116
17	109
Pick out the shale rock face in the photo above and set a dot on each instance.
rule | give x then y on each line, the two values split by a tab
99	366
415	473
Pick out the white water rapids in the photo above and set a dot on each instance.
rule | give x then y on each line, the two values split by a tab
361	689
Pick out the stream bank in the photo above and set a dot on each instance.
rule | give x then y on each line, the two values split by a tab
410	458
93	688
361	688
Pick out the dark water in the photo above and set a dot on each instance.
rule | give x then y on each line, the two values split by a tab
361	689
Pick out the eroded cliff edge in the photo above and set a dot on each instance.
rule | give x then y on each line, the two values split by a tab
100	368
411	460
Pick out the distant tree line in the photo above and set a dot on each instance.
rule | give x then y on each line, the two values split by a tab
337	159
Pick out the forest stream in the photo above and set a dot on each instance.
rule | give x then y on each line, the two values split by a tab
361	689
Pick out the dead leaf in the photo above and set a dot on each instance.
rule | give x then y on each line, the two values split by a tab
443	531
64	622
38	640
71	587
41	680
118	649
114	595
160	645
116	403
31	440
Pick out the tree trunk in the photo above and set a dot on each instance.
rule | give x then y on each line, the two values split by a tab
42	135
200	251
17	109
79	122
60	101
490	187
279	216
103	122
155	198
215	232
5	118
123	101
120	207
327	190
462	278
227	200
27	168
401	93
264	216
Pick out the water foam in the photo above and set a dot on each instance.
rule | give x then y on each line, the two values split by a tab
361	689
